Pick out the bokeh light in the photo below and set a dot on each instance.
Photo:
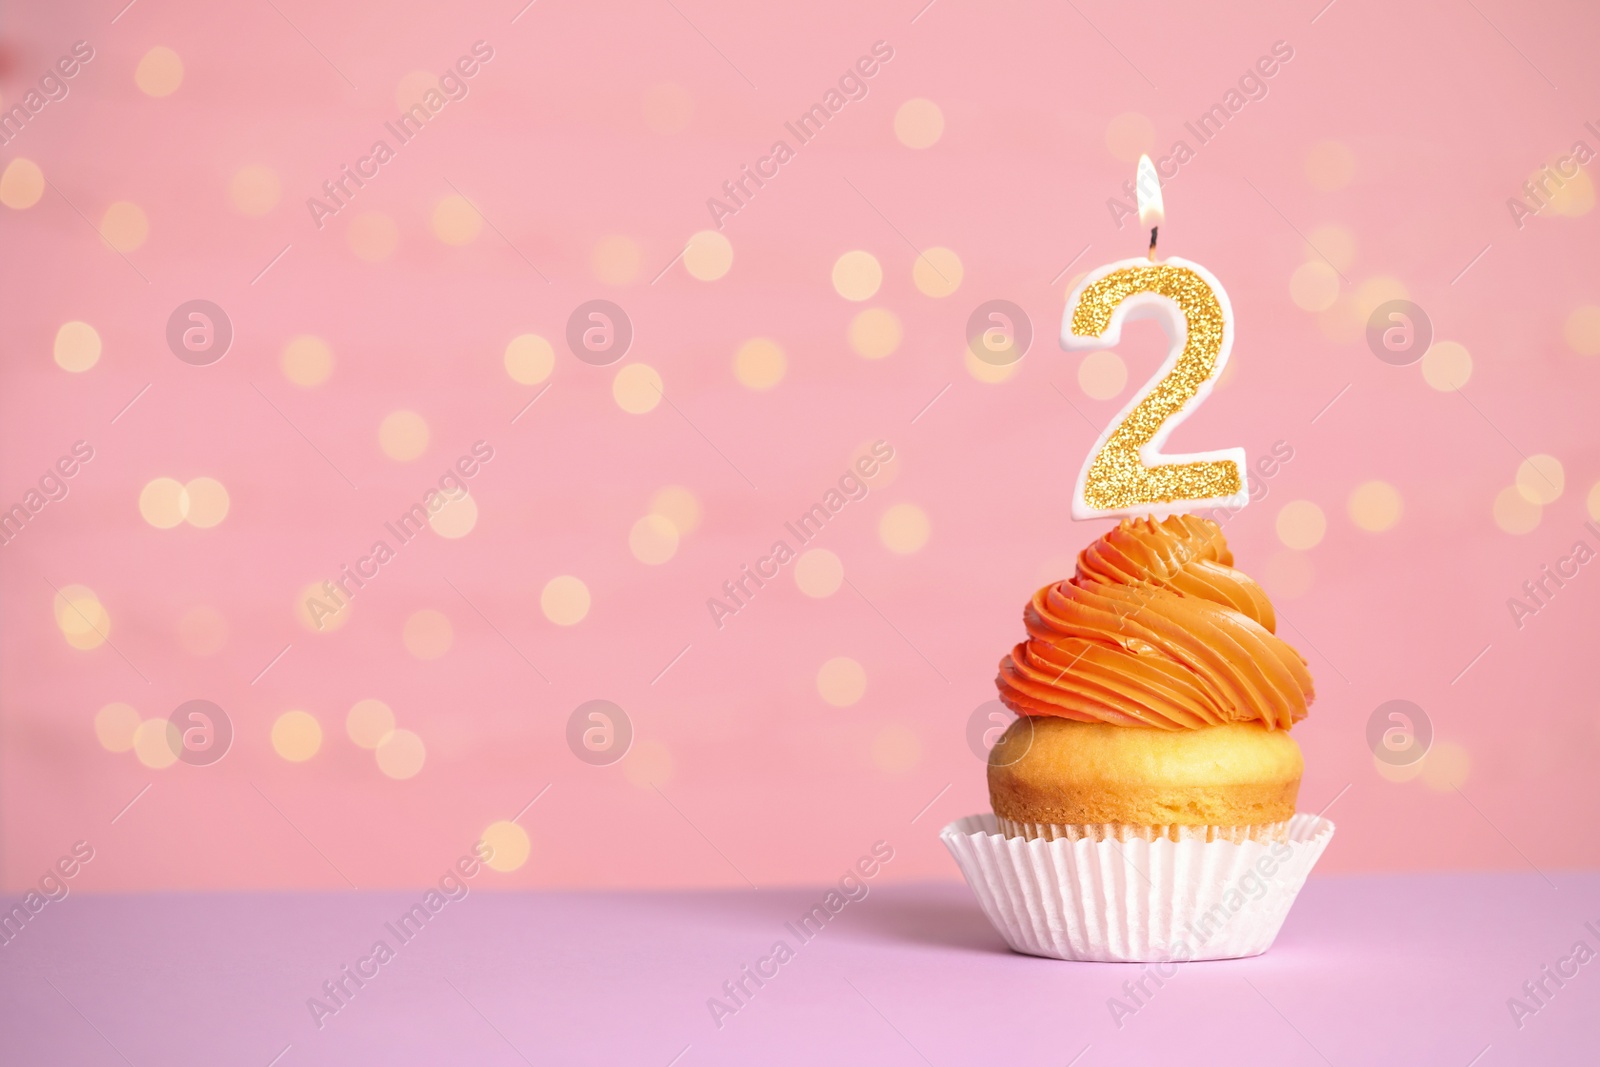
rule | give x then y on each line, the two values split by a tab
81	618
21	184
207	502
875	333
937	272
1446	366
615	260
667	108
159	72
368	722
649	763
529	359
306	361
708	256
759	364
653	539
373	236
1374	506
1300	524
1314	286
1129	136
296	735
1102	375
904	528
456	517
1330	165
509	846
1514	512
1541	479
637	388
857	275
818	573
202	631
918	123
164	503
77	346
564	600
124	226
254	190
1446	766
403	435
156	744
896	749
401	754
115	726
842	681
427	634
456	221
679	506
1582	330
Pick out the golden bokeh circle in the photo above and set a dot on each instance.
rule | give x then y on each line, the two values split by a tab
1314	286
937	272
508	844
918	123
818	573
401	754
159	72
124	226
1514	512
1375	506
403	435
1541	479
1582	330
637	388
427	634
115	726
841	681
529	359
368	722
254	190
857	275
306	361
77	346
759	364
296	735
1129	136
156	743
207	501
455	221
616	259
1446	365
1102	375
21	184
373	236
564	600
896	749
653	539
164	503
708	256
1300	525
875	333
904	529
679	506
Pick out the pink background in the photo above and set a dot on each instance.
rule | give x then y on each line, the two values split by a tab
738	764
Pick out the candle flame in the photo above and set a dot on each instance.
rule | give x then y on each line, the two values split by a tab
1148	187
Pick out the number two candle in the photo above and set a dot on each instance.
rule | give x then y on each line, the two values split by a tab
1126	472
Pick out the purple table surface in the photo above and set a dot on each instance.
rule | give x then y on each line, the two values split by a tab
1404	969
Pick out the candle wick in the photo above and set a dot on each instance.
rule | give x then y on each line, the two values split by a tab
1153	231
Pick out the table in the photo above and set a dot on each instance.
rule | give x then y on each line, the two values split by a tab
1403	969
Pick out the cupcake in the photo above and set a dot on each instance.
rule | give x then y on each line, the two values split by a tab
1154	703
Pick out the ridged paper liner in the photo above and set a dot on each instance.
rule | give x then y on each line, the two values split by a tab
1272	831
1137	900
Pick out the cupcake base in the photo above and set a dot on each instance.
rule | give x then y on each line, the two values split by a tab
1128	899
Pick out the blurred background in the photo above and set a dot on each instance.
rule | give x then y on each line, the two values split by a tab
232	369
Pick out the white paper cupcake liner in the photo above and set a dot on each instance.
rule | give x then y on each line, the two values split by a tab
1272	831
1135	901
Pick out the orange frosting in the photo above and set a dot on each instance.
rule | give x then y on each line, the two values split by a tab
1156	629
